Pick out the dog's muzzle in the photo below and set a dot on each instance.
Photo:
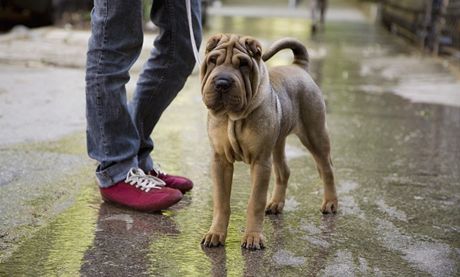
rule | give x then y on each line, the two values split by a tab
223	84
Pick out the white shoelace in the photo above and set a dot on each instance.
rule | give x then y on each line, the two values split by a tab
138	178
157	169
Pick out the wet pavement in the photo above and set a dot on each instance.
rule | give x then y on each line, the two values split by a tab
394	121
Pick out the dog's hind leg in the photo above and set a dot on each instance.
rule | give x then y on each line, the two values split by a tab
282	172
316	139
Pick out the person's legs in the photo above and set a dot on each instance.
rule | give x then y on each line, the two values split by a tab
114	46
314	16
166	71
313	11
322	8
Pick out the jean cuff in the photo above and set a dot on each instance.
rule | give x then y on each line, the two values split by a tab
115	173
146	164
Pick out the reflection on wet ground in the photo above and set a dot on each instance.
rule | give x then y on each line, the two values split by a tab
397	166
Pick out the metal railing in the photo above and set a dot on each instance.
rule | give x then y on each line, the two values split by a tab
433	24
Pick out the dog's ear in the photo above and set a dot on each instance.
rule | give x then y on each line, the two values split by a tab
253	46
213	42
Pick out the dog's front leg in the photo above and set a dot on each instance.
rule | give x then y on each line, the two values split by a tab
260	175
221	174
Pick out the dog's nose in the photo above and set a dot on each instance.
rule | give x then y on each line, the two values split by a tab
223	83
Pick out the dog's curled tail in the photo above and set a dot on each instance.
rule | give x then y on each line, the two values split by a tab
300	52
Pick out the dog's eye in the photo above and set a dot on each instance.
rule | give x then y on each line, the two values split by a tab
212	59
244	63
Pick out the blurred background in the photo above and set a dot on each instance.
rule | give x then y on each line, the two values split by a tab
433	25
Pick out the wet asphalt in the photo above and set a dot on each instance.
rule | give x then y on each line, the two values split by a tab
394	121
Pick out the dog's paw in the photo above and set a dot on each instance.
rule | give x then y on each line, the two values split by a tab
329	206
274	207
253	241
213	239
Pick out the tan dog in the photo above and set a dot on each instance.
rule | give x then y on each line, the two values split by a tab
251	111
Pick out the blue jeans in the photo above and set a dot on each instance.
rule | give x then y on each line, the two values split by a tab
118	133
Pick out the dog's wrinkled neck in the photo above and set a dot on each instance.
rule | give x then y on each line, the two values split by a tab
233	132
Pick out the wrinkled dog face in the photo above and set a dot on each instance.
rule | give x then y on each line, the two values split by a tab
230	73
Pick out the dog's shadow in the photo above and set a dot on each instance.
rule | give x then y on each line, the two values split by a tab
218	259
255	261
260	262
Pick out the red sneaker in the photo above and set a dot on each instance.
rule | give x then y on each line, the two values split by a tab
176	182
141	192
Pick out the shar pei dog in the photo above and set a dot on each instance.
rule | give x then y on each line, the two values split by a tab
251	111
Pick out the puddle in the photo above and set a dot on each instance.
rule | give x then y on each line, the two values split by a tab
419	79
391	211
431	257
286	258
342	265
